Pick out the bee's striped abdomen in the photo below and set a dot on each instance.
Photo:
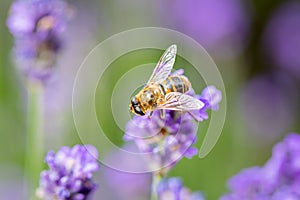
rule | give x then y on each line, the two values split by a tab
176	84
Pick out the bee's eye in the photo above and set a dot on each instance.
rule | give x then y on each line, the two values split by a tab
135	106
134	101
138	111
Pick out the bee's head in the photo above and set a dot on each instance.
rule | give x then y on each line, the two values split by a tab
135	106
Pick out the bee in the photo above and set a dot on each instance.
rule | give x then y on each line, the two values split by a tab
163	91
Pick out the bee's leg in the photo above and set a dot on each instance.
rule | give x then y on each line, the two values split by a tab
150	114
162	114
194	116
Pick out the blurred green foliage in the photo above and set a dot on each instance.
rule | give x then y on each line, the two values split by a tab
12	111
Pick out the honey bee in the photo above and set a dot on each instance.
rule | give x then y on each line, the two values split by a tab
163	91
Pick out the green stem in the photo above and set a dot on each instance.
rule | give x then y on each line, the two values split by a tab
155	180
34	148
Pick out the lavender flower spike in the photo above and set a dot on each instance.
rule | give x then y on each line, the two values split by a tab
172	188
165	140
278	179
37	26
70	174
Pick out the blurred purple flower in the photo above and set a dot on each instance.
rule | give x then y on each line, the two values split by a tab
127	186
58	89
219	25
281	38
37	26
70	173
278	179
173	188
267	107
166	140
12	180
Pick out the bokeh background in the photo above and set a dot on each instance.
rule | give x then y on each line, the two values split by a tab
255	45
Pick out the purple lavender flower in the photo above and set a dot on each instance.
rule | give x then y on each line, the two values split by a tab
278	179
166	140
172	188
70	173
282	37
211	97
37	26
219	25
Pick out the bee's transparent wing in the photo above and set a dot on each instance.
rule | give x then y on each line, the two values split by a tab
164	66
179	101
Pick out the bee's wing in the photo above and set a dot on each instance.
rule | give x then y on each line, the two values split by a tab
164	66
179	101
